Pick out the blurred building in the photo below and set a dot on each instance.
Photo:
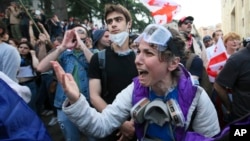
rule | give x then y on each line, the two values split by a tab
235	16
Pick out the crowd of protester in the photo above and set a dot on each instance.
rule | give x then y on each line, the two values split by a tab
60	61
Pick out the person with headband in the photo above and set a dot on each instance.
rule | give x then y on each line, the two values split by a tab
162	100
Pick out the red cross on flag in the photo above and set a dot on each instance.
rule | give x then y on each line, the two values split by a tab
217	61
162	10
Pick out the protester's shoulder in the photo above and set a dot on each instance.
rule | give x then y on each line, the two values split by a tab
197	61
94	59
6	48
239	56
109	50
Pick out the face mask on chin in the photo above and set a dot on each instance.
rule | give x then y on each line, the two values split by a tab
119	38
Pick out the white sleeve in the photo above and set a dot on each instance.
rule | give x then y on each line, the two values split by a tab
22	91
206	120
11	63
102	124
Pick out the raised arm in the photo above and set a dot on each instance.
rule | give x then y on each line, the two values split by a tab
68	42
45	65
35	60
44	46
31	33
88	54
87	118
45	32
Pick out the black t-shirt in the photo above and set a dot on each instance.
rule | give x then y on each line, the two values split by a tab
196	67
236	76
120	70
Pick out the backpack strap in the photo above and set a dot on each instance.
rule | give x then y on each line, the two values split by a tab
101	58
102	66
190	60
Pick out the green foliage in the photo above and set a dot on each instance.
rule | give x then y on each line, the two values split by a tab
87	9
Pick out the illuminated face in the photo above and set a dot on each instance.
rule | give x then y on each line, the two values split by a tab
186	26
232	44
151	70
105	41
116	23
23	49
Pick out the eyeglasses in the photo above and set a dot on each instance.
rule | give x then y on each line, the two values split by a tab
188	22
116	19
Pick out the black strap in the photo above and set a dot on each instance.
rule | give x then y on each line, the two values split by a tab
190	60
102	64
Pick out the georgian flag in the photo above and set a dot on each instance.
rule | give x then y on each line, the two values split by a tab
162	10
217	61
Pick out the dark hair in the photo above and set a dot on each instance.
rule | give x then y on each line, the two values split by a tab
176	43
176	47
109	8
246	42
132	37
3	27
28	58
14	40
214	33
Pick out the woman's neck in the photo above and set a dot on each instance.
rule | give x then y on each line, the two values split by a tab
164	87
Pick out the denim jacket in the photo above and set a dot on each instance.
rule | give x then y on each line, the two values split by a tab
68	60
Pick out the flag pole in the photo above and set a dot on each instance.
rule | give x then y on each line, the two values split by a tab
27	12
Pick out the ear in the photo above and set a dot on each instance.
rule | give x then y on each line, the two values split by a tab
129	24
174	63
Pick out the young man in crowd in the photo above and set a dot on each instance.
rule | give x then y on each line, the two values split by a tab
185	27
119	68
208	41
100	40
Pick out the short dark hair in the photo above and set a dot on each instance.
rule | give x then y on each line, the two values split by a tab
109	8
218	30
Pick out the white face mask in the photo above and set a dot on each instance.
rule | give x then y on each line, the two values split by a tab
119	38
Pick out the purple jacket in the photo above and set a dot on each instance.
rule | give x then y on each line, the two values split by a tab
186	93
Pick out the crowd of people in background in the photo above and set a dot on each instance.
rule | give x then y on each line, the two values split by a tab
110	66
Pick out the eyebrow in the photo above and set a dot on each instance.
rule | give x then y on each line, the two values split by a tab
114	18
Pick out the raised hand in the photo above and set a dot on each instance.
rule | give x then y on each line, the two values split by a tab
42	37
67	81
78	39
69	40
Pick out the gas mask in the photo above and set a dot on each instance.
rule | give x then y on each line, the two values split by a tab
158	112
